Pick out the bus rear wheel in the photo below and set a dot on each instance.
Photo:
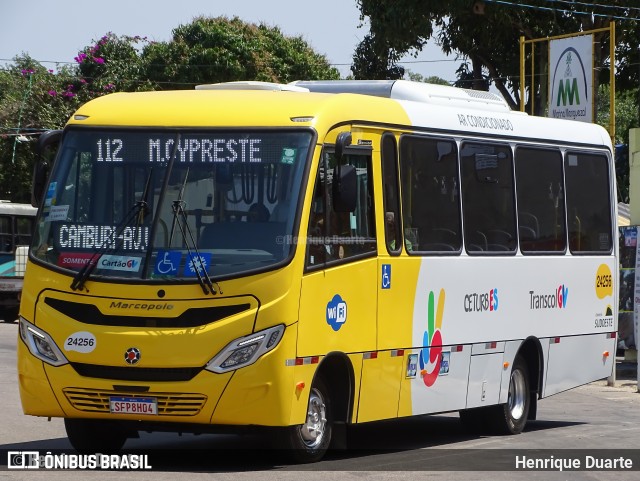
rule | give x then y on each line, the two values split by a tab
94	436
511	417
308	442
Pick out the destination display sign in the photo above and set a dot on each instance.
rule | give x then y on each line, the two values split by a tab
192	147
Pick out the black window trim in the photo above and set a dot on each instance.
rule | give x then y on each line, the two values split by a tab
612	195
366	150
510	145
457	142
547	148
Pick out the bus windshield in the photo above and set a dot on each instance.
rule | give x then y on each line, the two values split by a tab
140	204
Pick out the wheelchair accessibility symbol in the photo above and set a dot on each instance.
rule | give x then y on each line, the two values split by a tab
386	276
167	263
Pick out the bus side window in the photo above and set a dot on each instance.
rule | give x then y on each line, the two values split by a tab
24	228
588	202
6	234
316	252
391	189
430	195
540	191
488	201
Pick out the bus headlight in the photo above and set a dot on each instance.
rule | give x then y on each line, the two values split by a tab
244	351
40	344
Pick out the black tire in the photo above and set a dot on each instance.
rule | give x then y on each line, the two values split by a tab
94	436
309	442
9	314
511	417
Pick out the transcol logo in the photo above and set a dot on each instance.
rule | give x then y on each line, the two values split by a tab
552	300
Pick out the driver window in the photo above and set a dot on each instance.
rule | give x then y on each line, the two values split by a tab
335	236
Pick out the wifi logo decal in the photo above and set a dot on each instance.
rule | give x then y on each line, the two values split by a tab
430	357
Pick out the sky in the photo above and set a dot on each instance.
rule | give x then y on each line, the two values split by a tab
54	32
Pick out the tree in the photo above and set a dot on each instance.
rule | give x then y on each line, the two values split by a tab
433	79
626	118
372	61
211	50
487	36
29	105
111	64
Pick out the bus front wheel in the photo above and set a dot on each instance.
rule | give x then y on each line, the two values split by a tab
94	436
309	442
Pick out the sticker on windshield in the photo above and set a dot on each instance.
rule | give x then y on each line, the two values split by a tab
82	341
50	199
120	263
75	260
197	264
288	155
58	212
167	263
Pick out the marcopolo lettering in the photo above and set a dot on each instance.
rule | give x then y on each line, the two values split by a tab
141	306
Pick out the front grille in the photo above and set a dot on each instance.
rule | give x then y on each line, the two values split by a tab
169	404
193	317
130	373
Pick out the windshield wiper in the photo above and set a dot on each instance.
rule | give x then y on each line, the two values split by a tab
189	242
138	211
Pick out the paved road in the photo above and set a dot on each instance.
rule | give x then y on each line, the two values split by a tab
592	417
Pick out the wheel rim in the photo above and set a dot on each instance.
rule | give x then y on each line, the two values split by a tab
517	394
313	430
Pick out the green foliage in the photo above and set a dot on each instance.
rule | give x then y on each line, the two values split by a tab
28	105
489	41
626	112
211	50
433	79
111	64
626	115
374	60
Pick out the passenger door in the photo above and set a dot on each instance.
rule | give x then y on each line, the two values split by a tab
338	298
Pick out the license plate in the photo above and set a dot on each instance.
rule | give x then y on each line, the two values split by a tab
133	405
10	287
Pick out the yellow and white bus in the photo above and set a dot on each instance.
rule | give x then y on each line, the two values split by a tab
314	255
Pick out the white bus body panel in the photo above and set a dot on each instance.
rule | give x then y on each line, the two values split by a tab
577	360
533	296
484	380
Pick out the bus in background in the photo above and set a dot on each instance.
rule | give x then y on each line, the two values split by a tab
16	227
307	256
